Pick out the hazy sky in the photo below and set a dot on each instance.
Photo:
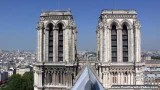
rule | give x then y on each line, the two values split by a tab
18	20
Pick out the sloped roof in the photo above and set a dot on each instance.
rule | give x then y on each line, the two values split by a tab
87	81
152	61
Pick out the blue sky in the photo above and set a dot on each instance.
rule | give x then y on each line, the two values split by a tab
18	20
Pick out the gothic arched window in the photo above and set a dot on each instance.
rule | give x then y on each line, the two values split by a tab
50	42
114	43
60	42
125	43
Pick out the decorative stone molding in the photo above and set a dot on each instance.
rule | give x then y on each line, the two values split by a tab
46	18
127	23
100	25
48	22
114	21
121	16
40	26
63	23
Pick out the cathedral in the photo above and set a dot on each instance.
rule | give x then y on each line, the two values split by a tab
118	48
118	53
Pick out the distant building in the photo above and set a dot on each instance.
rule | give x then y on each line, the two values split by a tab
146	57
152	72
21	71
3	76
11	71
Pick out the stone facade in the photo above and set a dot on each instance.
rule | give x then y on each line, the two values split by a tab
119	48
118	51
56	65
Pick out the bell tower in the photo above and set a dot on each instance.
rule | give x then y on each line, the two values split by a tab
119	48
56	51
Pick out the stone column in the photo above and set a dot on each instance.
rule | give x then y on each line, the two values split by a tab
53	78
106	44
46	44
97	41
119	45
74	43
35	77
119	78
107	79
105	56
111	79
101	44
104	79
130	45
61	78
72	48
108	38
122	78
139	49
64	78
69	45
66	45
56	78
55	31
132	78
56	45
129	79
109	46
40	45
40	78
67	79
137	44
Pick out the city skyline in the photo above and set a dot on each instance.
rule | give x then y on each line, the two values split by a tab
19	19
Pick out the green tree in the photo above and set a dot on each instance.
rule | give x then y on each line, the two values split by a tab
18	82
27	81
15	82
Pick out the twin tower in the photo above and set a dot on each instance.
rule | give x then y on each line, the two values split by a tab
118	50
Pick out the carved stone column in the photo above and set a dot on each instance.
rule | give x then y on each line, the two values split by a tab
73	46
105	46
97	42
41	45
119	81
129	78
66	45
53	78
137	43
111	79
55	44
130	45
101	44
46	45
104	79
36	77
132	78
64	78
119	45
122	78
70	45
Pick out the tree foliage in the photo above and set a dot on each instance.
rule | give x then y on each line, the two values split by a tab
156	57
18	82
27	79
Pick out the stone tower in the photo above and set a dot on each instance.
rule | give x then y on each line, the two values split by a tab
56	65
119	48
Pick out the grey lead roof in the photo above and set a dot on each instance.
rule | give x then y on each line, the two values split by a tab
87	81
